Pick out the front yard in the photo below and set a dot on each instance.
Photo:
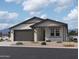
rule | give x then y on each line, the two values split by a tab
39	44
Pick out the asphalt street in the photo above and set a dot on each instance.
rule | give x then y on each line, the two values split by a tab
37	53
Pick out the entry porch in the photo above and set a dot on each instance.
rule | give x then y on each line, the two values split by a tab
57	33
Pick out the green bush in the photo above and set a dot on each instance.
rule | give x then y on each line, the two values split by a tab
19	43
43	43
1	40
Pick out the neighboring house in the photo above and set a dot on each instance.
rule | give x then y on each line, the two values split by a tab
5	38
38	29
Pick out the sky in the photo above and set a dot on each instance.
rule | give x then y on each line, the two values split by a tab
13	12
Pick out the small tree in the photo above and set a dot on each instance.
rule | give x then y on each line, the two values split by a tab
0	34
72	33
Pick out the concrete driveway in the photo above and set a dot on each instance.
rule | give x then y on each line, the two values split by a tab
37	53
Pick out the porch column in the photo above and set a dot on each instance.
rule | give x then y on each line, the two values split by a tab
47	34
35	35
12	35
64	34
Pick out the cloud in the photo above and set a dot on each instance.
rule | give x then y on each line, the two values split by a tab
35	13
4	25
72	18
73	15
62	5
35	5
8	15
44	16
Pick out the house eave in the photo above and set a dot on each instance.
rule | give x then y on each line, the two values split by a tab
25	21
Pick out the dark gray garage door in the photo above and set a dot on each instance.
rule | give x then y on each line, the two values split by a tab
23	35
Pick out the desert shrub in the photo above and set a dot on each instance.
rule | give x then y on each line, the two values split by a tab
59	42
48	40
43	43
19	43
67	44
1	40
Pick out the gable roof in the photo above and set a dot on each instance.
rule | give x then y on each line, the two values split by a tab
64	24
49	20
26	21
42	20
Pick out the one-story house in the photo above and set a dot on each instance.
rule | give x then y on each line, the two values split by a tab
38	29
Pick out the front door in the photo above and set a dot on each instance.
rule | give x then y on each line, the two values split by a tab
43	34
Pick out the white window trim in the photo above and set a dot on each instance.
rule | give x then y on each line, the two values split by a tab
54	33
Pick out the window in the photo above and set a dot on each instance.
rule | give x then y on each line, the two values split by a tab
52	32
55	32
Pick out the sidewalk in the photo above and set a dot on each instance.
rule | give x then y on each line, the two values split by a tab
32	44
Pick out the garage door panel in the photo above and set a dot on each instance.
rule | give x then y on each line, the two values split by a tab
23	35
